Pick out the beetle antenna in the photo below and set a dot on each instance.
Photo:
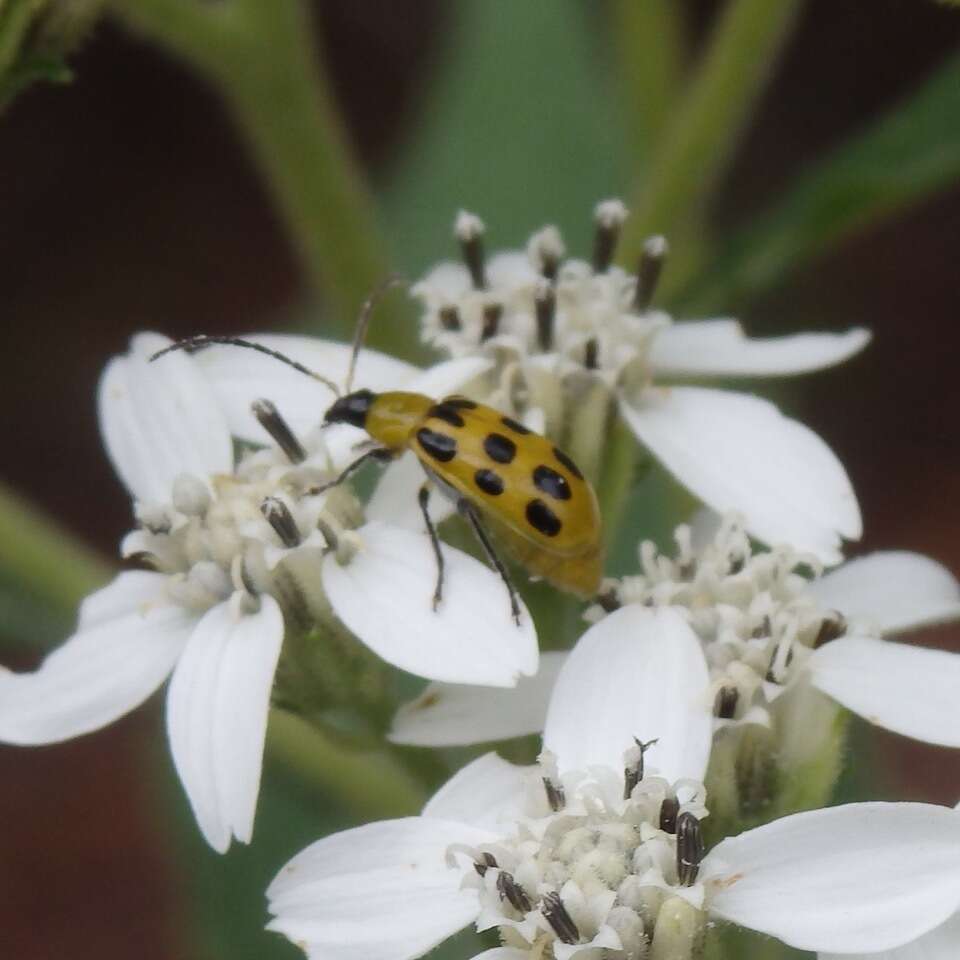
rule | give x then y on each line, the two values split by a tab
363	321
197	342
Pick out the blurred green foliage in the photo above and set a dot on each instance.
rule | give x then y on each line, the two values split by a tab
908	154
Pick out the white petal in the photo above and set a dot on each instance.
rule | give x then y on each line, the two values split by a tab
486	793
720	348
451	714
382	891
217	716
895	590
394	501
159	420
941	943
861	877
241	376
738	453
127	643
384	596
637	673
910	690
449	376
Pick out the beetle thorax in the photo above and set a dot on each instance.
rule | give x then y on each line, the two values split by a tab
393	415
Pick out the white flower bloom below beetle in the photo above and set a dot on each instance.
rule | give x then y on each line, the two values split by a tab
234	549
600	849
766	631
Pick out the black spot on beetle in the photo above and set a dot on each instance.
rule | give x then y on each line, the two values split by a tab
499	448
489	482
542	518
514	425
459	403
567	462
551	483
440	446
447	413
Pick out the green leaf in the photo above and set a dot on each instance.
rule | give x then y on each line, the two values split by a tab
910	153
519	127
649	44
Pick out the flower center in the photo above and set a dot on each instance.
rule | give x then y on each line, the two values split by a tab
542	316
754	612
245	532
588	867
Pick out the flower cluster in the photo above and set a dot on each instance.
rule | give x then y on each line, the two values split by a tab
701	698
591	855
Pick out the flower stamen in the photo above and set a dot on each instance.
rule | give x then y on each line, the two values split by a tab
278	428
492	314
633	769
668	814
512	892
655	250
555	913
725	704
689	848
609	216
278	515
833	627
469	230
486	861
545	304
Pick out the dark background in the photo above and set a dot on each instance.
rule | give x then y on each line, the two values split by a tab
127	201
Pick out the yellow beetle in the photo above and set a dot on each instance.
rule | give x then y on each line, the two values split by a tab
493	468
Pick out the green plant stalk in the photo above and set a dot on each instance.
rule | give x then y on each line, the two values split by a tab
39	556
372	785
710	118
909	153
617	479
648	40
262	60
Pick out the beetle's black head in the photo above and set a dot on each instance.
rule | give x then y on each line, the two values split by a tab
351	409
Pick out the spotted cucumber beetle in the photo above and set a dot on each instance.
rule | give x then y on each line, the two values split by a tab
496	471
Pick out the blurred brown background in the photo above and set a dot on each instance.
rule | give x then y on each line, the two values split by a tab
127	201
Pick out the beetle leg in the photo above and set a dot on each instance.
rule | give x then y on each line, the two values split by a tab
380	454
469	511
422	498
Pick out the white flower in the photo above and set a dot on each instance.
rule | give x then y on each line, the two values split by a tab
551	325
600	848
234	550
765	630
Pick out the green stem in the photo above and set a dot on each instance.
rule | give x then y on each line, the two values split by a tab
648	37
617	480
38	556
372	785
262	60
711	116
